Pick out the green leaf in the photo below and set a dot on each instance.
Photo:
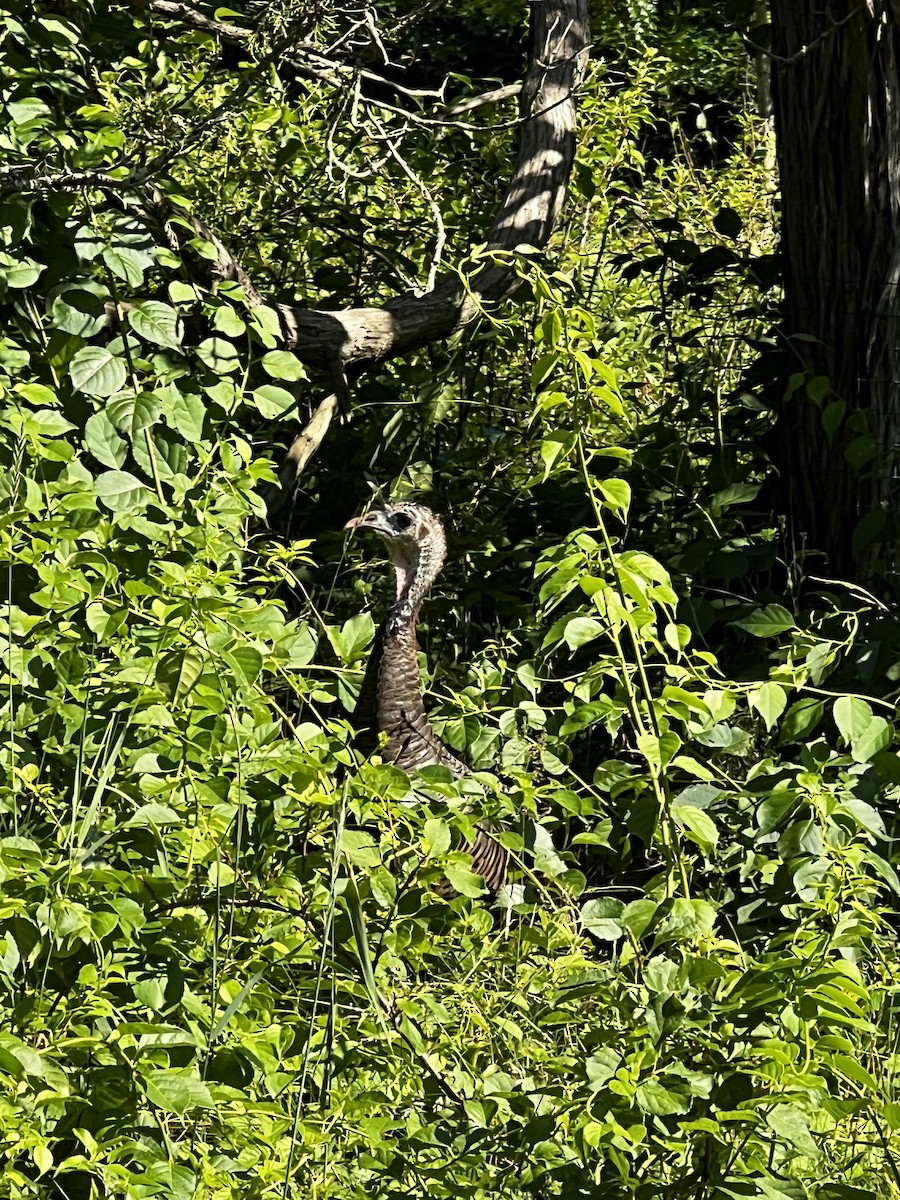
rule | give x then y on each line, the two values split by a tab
436	837
866	733
790	1124
127	263
155	322
657	1100
698	826
464	880
770	701
616	496
45	423
581	630
601	1066
686	920
852	717
801	719
102	440
360	848
554	450
176	1091
97	372
281	364
133	414
246	661
81	313
122	492
178	672
227	320
19	272
603	919
26	109
659	751
273	402
639	916
219	355
151	992
768	621
878	736
546	857
184	412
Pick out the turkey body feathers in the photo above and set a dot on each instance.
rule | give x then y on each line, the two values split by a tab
391	698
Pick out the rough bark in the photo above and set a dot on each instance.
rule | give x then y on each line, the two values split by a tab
837	110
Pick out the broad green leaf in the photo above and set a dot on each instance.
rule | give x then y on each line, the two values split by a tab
698	826
176	1090
639	915
546	857
360	848
45	423
852	717
227	320
770	701
97	372
101	439
155	322
554	450
581	630
801	719
867	734
603	919
281	364
659	751
127	263
120	491
266	324
219	355
464	880
601	1066
133	414
878	735
790	1123
246	661
616	496
659	1101
177	672
273	402
26	109
151	992
686	920
19	271
184	411
79	312
768	621
436	837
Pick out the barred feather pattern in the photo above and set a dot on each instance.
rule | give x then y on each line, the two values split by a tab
391	700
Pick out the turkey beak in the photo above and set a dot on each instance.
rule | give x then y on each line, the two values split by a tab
374	520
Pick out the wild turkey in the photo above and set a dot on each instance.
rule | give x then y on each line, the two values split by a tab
391	698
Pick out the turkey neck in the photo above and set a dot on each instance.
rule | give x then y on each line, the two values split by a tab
400	706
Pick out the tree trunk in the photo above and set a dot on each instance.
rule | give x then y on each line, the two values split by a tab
836	89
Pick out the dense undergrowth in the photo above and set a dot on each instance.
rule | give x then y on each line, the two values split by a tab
224	969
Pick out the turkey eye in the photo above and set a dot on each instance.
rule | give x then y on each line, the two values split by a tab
402	521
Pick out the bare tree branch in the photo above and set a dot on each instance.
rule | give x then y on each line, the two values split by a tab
359	337
362	336
496	96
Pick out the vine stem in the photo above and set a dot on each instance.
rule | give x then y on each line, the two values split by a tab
675	863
